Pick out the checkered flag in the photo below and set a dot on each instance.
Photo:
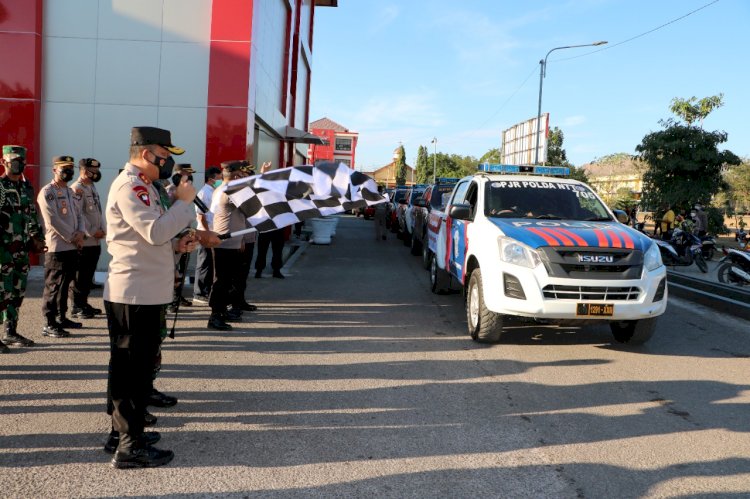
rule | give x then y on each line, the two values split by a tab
286	196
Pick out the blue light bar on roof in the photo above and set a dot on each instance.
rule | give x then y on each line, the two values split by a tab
559	171
447	180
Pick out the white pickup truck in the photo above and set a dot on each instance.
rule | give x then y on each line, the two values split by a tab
543	247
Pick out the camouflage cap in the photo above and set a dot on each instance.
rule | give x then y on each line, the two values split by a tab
16	151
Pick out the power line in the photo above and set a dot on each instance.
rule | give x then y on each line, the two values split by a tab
607	47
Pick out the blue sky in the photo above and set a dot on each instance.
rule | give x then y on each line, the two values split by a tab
463	71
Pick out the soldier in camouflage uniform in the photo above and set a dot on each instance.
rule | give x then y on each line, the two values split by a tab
21	234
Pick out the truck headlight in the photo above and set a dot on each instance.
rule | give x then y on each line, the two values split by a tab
511	251
652	258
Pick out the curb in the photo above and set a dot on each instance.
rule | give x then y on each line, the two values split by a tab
731	300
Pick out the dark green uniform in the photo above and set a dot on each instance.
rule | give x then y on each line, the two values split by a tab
19	226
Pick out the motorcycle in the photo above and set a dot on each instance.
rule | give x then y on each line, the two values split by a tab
734	268
682	250
708	249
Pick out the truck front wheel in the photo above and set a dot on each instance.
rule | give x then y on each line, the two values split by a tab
485	326
633	332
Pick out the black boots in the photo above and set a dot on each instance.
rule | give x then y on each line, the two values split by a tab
13	338
277	274
216	321
113	440
159	399
136	453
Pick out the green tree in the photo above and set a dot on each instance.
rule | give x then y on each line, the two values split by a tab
400	161
693	109
684	165
556	155
423	170
492	156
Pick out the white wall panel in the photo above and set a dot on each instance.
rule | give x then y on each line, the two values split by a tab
130	19
183	78
188	128
112	124
70	69
127	72
67	128
70	18
187	20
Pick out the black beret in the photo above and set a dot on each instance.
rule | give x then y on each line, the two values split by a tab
62	161
89	163
148	135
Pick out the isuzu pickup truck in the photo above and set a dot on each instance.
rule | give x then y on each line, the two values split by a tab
528	242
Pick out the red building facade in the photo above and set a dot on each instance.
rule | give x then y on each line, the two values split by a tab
340	143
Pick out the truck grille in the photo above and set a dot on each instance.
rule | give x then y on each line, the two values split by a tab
565	262
606	293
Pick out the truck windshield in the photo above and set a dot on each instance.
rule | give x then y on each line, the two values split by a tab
542	199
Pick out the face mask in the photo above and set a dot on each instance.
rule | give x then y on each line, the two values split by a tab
165	165
16	166
216	183
94	175
66	174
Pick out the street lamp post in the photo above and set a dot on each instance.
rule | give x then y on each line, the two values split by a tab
434	161
542	73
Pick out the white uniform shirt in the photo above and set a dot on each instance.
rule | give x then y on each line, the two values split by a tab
205	195
139	238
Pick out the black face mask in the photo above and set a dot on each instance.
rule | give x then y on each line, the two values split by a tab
16	166
177	178
94	175
165	166
66	174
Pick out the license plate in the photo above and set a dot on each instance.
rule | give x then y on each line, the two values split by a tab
595	309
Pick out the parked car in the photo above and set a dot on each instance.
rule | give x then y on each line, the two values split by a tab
398	194
406	206
434	198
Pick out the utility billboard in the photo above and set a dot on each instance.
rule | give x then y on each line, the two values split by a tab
519	142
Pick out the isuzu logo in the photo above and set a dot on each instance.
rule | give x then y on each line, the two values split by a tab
596	258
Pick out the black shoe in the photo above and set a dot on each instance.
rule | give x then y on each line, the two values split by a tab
3	348
149	419
141	457
93	310
18	340
245	306
65	322
217	322
258	274
172	309
232	315
185	302
277	274
55	331
82	313
383	238
159	399
113	440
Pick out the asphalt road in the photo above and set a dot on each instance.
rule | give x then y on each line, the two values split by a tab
353	380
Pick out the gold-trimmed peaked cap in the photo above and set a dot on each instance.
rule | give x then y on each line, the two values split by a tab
149	135
60	161
236	166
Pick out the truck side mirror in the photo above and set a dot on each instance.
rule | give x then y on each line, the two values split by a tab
460	212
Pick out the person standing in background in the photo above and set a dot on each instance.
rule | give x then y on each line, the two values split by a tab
21	234
87	202
204	265
64	237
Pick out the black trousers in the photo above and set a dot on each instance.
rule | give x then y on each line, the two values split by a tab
89	257
134	338
204	272
223	292
59	272
240	282
275	239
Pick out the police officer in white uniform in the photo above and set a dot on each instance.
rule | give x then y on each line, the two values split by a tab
63	232
140	233
89	206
